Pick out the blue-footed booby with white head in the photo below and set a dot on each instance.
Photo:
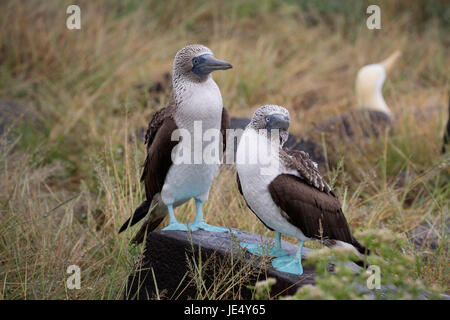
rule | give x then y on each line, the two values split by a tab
370	116
289	195
372	113
197	101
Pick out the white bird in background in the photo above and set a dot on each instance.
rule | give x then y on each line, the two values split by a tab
372	114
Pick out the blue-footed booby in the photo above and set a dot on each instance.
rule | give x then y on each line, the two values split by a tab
372	114
287	193
197	102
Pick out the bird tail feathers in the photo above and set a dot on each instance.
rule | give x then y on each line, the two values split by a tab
138	214
149	225
358	248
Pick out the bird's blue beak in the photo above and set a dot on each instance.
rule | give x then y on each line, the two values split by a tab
277	121
206	63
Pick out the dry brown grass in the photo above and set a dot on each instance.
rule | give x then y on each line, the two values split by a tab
69	184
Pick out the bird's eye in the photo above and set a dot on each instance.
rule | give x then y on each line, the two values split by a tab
195	61
267	119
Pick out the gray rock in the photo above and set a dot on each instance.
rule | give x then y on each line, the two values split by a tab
426	235
10	113
166	254
163	268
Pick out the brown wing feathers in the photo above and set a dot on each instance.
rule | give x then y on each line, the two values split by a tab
156	122
308	201
159	159
157	162
305	166
317	214
225	124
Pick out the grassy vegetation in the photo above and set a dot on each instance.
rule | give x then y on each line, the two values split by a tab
72	176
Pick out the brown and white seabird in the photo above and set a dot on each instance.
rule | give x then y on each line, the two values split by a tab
197	101
372	114
287	193
370	117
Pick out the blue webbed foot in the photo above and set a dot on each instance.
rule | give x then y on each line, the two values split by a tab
176	226
254	248
289	264
263	250
199	223
277	252
173	223
202	225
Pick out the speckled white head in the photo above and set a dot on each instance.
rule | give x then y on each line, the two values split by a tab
270	117
369	83
182	64
196	62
